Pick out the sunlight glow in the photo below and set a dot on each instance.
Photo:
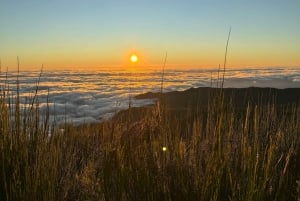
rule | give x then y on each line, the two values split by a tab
134	58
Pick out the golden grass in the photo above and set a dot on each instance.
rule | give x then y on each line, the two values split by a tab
221	155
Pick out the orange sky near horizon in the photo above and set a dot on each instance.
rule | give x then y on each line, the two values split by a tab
177	58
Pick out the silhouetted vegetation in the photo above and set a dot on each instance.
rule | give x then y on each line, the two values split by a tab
215	150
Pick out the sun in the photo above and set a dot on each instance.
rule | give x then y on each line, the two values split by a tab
134	58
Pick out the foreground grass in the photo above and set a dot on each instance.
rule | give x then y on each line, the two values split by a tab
221	154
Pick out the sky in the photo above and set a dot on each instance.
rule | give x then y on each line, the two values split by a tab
78	34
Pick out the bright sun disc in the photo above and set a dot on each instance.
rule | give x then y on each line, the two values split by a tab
133	58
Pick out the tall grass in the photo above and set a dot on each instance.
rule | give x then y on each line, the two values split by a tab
222	154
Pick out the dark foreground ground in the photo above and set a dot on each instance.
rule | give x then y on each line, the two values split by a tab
201	144
195	100
238	97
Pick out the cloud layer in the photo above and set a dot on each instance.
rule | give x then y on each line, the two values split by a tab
78	97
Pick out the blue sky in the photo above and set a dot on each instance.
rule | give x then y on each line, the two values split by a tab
64	33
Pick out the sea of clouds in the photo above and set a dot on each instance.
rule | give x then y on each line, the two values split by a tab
91	96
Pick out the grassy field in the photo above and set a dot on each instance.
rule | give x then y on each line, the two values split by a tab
213	153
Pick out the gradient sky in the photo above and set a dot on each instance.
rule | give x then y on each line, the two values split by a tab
97	33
